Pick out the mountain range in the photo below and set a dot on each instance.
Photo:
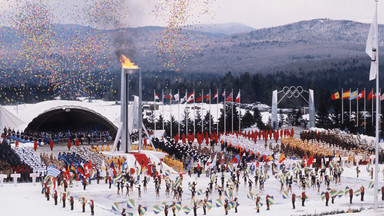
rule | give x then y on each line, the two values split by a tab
311	45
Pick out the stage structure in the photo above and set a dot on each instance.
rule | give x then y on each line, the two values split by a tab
293	92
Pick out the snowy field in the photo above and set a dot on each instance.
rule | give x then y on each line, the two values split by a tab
26	199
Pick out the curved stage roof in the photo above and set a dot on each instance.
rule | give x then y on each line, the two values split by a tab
32	115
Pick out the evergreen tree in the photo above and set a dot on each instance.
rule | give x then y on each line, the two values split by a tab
174	127
247	120
322	117
257	119
198	119
208	117
159	123
183	126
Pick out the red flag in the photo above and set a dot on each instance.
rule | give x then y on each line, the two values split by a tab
229	97
361	95
371	95
199	99
215	96
190	97
335	96
310	160
238	97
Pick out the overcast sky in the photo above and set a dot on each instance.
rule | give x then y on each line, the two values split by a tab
255	13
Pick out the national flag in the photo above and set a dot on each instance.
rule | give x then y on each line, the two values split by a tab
371	95
177	97
208	163
207	97
190	97
353	95
215	96
346	94
361	95
112	166
382	97
200	98
52	171
282	157
222	160
125	165
238	97
371	47
184	99
335	96
73	170
157	209
310	160
271	157
131	203
236	159
157	97
170	97
115	206
230	97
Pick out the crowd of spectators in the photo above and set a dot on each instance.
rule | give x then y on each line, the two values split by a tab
88	136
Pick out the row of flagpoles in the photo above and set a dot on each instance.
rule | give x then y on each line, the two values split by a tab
356	96
190	99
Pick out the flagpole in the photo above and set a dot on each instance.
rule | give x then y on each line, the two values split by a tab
350	106
209	116
365	110
178	113
154	109
217	113
170	113
225	112
239	111
342	106
377	115
202	110
232	112
186	117
162	102
373	96
194	116
357	113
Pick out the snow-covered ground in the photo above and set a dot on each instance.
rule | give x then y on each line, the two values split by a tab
26	199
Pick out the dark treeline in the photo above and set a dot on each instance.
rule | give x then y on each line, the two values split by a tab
254	87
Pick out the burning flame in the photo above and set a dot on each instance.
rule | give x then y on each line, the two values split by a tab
126	62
